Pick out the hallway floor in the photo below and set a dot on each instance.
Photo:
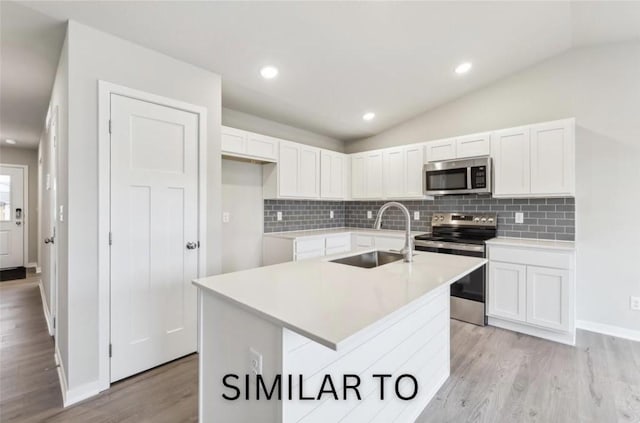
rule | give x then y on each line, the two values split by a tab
496	376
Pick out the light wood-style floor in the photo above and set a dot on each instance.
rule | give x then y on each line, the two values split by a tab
496	376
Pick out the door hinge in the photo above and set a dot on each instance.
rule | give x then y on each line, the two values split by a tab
54	322
110	350
110	238
109	125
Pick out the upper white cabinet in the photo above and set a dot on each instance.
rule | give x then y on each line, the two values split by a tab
553	158
473	145
366	175
534	161
511	167
244	144
440	150
402	171
334	172
297	174
467	146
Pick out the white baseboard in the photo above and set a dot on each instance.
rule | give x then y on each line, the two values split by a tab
45	309
568	338
75	395
633	335
32	265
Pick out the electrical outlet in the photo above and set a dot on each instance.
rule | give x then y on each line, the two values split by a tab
255	362
61	213
225	217
278	216
519	217
416	215
330	214
369	214
634	303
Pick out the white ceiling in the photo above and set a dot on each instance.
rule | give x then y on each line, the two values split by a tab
340	59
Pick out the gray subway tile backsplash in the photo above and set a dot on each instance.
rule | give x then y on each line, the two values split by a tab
544	218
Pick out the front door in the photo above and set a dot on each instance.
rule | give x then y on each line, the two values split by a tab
12	216
154	234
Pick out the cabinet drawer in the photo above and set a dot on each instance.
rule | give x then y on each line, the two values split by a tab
363	241
306	245
338	241
532	256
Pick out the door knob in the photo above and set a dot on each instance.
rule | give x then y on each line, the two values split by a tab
48	240
192	245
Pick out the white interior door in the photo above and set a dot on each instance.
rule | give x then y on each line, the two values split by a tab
12	216
154	227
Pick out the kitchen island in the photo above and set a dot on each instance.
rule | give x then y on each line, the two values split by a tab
328	340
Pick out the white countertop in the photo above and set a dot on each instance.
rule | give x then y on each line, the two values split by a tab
533	243
331	302
335	231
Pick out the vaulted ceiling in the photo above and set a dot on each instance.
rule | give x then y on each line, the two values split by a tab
337	60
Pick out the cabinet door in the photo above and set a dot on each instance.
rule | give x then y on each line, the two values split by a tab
473	145
394	174
441	150
233	140
309	172
332	174
506	292
511	164
374	169
262	146
413	163
288	169
358	176
548	296
553	158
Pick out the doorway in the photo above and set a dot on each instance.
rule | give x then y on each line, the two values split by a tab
13	212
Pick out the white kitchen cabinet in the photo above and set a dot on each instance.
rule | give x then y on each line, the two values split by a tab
511	163
506	291
362	241
366	175
440	150
548	297
389	243
531	288
245	144
296	175
394	172
553	158
413	164
473	145
339	243
333	175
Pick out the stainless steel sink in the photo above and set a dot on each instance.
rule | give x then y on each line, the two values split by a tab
370	259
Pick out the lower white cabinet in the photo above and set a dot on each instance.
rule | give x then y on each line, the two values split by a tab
531	290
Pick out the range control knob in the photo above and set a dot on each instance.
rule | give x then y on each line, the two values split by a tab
477	219
483	220
441	218
490	220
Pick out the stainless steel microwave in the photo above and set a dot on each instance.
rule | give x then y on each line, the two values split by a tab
466	176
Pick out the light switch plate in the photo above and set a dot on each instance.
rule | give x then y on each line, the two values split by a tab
279	216
369	214
255	362
634	303
226	217
61	213
519	217
416	215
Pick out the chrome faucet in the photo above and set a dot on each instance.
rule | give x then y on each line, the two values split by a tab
407	250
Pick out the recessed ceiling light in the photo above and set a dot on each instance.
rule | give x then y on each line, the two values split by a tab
10	141
269	72
368	116
463	68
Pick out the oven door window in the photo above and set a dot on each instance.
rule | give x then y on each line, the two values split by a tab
444	180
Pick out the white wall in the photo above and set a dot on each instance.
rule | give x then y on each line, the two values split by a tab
29	157
93	56
242	199
259	125
600	87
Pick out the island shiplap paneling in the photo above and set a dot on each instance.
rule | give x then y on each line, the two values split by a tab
404	345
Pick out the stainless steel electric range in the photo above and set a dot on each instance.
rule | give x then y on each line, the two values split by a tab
463	234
